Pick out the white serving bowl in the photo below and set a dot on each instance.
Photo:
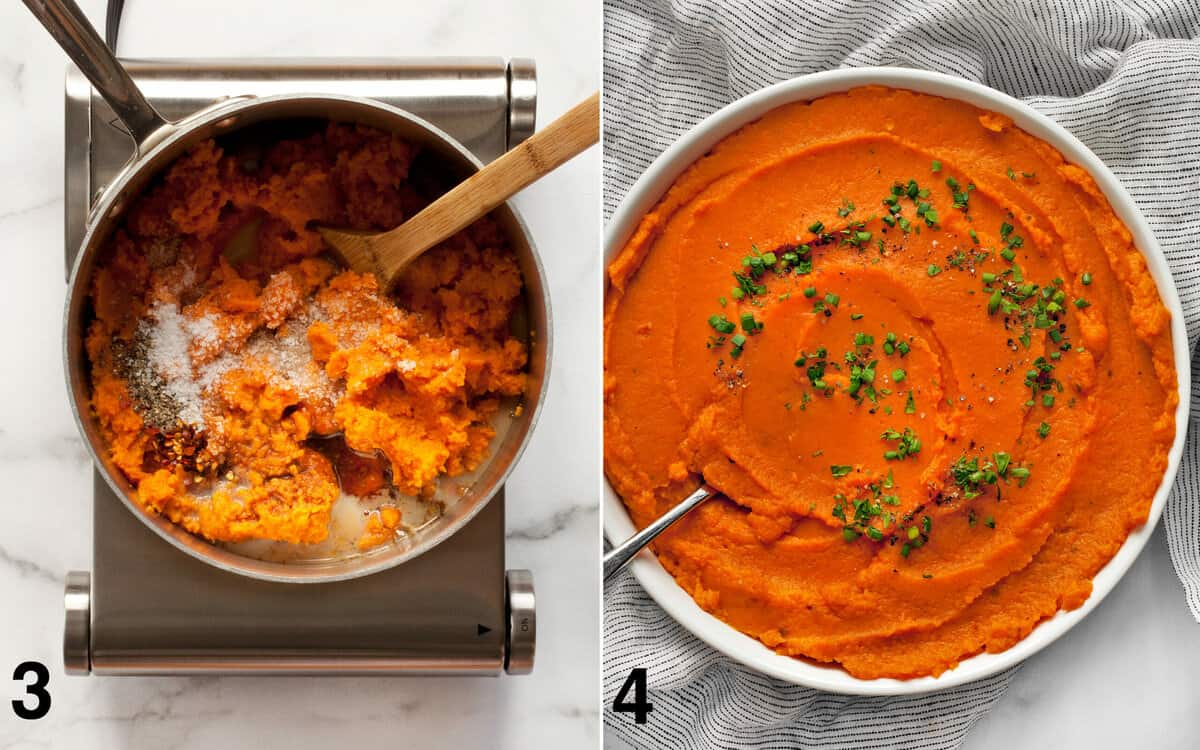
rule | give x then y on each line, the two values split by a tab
699	140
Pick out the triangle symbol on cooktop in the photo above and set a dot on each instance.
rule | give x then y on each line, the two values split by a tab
481	629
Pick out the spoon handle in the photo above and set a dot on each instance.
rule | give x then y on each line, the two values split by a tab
538	155
75	34
622	555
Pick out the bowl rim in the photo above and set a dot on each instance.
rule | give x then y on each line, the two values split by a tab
697	141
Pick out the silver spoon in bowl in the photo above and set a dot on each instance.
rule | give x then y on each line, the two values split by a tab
621	555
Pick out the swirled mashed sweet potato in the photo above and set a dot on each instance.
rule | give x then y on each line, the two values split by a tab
224	342
918	355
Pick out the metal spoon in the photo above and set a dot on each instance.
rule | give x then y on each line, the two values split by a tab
617	559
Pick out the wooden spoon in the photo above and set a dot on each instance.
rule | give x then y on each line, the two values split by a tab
386	254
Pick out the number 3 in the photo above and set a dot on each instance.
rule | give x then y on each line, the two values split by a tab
35	689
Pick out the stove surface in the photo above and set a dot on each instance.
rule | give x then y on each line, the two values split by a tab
148	608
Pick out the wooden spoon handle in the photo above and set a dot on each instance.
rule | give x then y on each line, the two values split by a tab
541	153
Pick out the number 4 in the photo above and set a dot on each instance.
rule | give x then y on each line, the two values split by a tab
640	707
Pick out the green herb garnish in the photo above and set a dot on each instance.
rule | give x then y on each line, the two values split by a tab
907	444
721	324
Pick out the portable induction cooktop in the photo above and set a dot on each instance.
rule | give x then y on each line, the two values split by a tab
146	608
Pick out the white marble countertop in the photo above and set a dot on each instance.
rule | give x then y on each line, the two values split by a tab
1129	675
45	526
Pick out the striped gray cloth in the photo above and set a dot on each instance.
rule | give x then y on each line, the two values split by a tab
1122	76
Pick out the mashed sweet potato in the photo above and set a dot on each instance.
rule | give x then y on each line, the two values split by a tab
224	342
918	355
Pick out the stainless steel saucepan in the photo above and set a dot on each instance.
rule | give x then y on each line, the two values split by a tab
158	143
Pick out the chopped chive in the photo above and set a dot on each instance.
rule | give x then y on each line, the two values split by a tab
898	375
933	270
721	325
1043	429
1086	279
910	407
739	341
994	302
839	470
810	291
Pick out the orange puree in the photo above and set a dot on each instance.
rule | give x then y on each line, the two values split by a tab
936	397
224	341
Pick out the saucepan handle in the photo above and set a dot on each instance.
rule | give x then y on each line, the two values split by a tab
75	34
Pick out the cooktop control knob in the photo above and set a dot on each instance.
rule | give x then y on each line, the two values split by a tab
522	622
77	635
